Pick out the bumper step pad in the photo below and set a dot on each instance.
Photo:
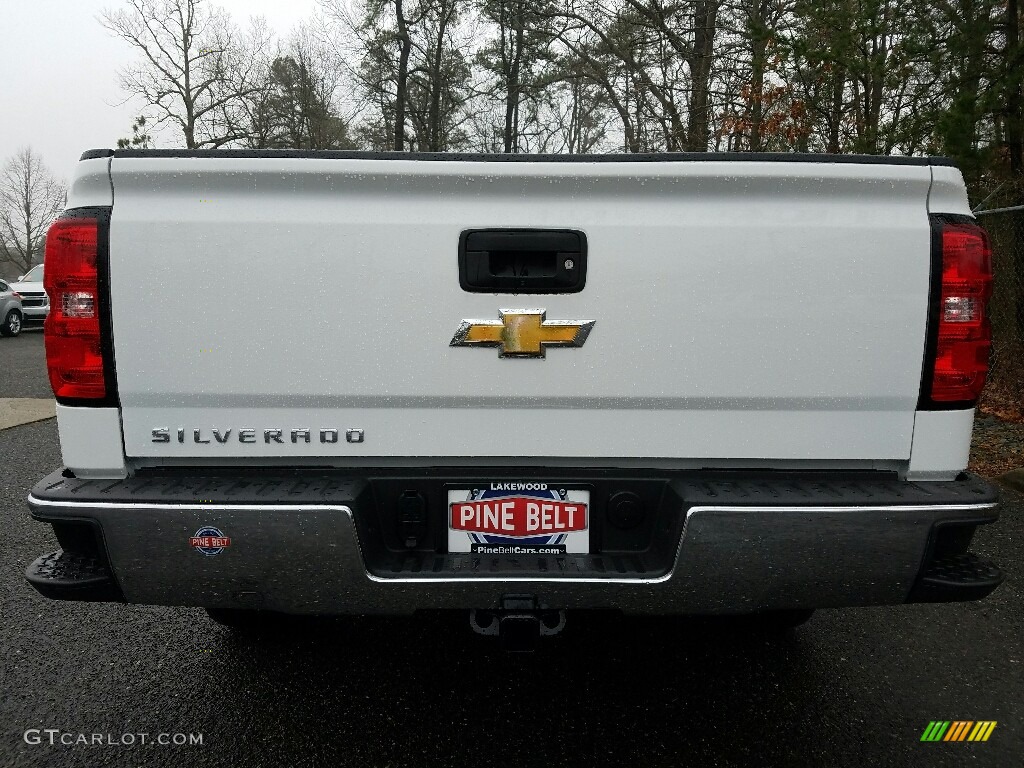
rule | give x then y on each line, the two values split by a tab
63	575
952	578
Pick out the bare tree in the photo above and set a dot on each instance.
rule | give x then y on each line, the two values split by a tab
437	87
30	199
513	57
297	98
412	73
192	67
648	41
381	34
579	116
402	76
588	54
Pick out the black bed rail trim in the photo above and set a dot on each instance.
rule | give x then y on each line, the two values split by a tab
92	154
618	157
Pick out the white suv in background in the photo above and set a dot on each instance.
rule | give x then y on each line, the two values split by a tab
35	302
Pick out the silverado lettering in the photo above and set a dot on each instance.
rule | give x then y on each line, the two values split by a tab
199	435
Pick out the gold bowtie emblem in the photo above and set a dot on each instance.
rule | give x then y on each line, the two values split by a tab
522	333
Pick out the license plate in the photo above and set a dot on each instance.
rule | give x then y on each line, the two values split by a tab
520	518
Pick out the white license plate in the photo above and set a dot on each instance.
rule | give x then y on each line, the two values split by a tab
519	518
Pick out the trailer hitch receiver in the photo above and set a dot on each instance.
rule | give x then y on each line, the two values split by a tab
519	623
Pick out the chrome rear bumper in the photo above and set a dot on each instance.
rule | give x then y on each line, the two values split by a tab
728	557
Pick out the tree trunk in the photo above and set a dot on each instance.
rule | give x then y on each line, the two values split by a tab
704	22
835	117
513	86
434	113
1014	100
758	49
403	77
189	126
875	87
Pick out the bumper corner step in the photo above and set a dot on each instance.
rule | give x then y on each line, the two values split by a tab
953	578
64	575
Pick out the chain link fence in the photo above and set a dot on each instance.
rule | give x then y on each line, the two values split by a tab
1004	394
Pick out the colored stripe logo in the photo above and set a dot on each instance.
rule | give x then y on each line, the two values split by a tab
958	730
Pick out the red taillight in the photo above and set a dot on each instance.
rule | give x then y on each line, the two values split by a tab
964	333
74	356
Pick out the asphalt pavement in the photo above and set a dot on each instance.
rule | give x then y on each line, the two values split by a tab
23	365
853	687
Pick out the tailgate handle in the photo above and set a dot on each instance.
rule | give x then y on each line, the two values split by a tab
522	260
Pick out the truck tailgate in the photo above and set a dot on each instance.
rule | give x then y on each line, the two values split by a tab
742	310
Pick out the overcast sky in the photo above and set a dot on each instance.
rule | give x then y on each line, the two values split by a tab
58	74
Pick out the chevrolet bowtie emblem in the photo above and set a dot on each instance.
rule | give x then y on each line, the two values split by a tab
522	333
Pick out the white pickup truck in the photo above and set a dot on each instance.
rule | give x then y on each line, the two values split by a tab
516	385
